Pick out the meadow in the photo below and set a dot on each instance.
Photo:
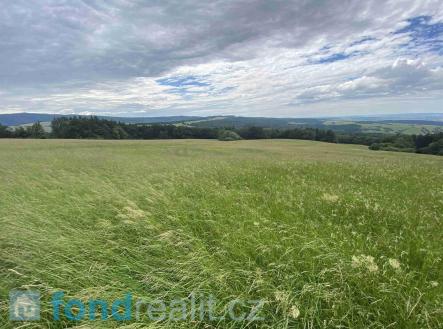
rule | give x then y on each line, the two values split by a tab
327	235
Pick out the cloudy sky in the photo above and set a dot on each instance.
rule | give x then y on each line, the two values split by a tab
242	57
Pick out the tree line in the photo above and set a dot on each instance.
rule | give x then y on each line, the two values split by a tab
426	144
95	128
34	131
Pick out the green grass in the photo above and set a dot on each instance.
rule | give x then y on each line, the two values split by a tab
283	221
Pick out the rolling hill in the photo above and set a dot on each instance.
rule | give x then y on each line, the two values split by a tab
386	124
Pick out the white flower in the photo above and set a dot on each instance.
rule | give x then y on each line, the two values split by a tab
294	312
364	261
355	262
281	296
131	213
372	267
330	197
395	264
434	284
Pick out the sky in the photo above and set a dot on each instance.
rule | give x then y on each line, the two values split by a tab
276	58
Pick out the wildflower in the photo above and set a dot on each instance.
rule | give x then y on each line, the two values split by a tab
131	213
372	267
256	224
364	261
134	213
395	264
355	262
259	276
330	197
434	284
294	312
281	296
167	235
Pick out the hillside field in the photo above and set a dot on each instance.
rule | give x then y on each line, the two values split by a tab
384	127
326	235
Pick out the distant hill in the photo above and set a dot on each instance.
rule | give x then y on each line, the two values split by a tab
17	119
398	117
410	123
344	125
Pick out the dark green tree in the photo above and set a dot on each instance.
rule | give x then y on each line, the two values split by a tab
5	132
36	131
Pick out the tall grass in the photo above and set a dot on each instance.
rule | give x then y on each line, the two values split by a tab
330	236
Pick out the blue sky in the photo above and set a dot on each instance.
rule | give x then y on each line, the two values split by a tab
182	81
422	28
240	57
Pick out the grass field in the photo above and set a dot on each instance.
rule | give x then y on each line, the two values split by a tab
328	236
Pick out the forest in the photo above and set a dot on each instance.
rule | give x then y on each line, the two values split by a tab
97	128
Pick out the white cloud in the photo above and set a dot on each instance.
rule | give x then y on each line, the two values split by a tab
250	57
